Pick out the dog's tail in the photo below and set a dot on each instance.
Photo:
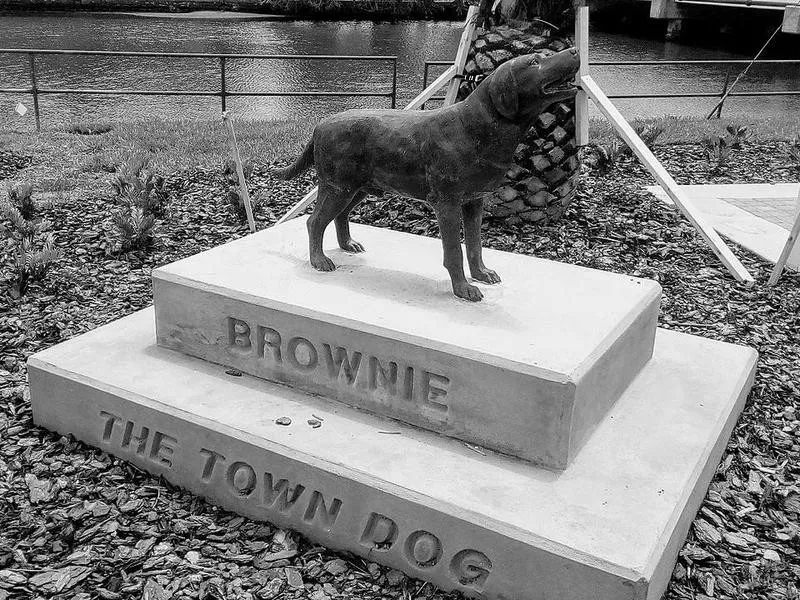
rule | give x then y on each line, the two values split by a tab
303	162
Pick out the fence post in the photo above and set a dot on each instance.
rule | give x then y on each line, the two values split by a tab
223	90
34	91
394	82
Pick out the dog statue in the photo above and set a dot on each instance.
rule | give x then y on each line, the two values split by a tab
448	157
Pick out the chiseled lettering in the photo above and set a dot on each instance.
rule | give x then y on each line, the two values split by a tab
408	384
163	448
379	378
108	427
340	363
211	461
307	359
269	339
241	478
380	533
281	495
140	440
423	549
471	568
434	389
239	335
317	507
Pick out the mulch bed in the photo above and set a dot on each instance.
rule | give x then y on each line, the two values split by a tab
77	523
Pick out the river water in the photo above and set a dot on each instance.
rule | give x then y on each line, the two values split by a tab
413	42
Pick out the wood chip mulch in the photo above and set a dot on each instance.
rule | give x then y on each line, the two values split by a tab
76	523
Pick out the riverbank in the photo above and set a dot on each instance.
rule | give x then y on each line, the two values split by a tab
316	9
76	521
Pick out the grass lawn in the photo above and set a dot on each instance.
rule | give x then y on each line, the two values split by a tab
72	161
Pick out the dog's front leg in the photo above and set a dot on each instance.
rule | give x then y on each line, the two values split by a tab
473	215
449	216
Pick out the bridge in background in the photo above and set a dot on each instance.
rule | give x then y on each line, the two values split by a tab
675	11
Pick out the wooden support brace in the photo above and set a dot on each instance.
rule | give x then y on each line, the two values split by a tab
787	249
666	181
582	100
461	54
245	195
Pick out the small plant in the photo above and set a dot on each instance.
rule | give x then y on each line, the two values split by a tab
21	228
21	197
718	152
136	187
142	198
648	133
34	260
233	192
793	152
34	251
132	228
229	171
737	135
605	157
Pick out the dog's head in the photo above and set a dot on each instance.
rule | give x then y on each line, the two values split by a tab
528	84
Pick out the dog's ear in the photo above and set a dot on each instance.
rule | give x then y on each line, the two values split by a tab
503	90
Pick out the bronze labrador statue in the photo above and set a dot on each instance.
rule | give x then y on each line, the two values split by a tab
448	157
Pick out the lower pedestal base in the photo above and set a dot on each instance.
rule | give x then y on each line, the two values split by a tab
607	528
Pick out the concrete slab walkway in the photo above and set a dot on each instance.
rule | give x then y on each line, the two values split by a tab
755	216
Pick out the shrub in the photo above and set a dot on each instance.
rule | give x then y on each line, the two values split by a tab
21	197
718	152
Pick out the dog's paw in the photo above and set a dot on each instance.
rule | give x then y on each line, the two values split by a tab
468	292
322	263
352	246
486	276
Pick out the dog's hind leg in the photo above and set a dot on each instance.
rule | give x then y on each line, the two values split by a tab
449	216
330	202
472	212
346	242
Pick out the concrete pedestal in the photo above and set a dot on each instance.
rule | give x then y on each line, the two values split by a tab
607	528
530	371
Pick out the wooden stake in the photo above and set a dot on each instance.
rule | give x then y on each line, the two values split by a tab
248	208
582	99
666	181
787	249
461	54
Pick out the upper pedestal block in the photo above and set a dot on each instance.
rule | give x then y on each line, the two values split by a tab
529	372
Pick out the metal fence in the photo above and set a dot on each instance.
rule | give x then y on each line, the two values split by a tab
640	63
222	91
